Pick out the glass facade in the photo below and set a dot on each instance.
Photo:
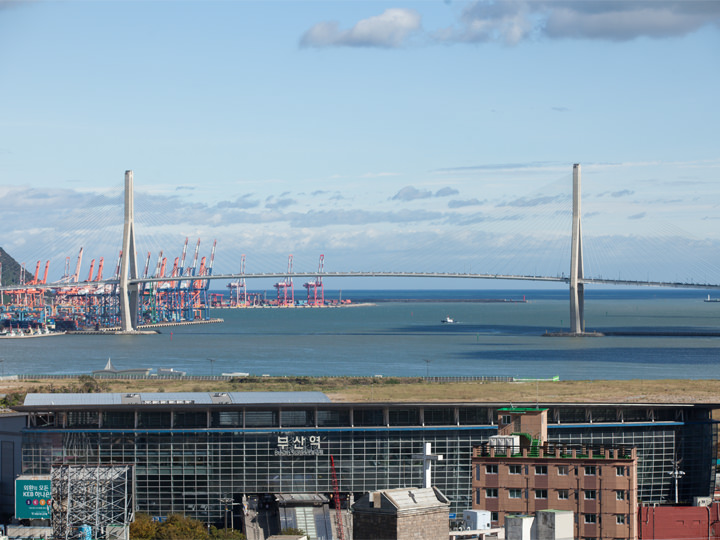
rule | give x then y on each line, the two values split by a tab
187	458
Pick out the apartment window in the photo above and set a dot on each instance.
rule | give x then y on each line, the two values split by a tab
620	519
590	494
541	493
515	469
478	498
590	518
491	493
540	469
562	470
494	516
620	471
505	419
590	470
516	493
491	469
620	495
477	472
563	494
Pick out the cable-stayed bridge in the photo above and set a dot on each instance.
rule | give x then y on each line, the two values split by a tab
129	287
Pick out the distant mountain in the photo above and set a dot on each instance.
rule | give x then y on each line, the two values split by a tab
10	269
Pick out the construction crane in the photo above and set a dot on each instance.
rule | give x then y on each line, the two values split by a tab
336	497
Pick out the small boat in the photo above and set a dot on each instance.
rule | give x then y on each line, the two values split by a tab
447	320
708	299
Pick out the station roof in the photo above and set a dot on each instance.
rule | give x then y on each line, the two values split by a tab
174	398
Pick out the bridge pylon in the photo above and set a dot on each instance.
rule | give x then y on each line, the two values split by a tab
577	291
128	263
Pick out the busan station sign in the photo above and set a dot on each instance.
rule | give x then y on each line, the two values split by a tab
32	497
298	445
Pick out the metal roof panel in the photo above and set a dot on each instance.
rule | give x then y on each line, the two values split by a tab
173	398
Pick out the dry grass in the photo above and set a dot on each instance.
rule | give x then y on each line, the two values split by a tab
348	389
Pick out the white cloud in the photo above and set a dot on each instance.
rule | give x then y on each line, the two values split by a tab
446	192
389	30
513	21
410	193
462	204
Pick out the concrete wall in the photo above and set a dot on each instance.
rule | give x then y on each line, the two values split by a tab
374	525
427	525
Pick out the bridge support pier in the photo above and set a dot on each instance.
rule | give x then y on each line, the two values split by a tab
128	263
577	291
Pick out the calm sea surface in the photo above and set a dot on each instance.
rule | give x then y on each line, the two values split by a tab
406	338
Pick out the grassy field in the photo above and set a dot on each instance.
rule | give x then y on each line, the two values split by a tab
368	389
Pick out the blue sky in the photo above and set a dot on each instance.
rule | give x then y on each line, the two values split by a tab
385	135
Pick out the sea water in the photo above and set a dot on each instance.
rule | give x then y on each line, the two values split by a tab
400	333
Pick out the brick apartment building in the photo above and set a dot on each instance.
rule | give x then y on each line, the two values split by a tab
518	472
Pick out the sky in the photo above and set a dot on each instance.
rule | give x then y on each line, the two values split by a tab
385	135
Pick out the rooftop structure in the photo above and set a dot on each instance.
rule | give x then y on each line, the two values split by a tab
402	513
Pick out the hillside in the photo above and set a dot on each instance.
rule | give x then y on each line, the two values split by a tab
10	269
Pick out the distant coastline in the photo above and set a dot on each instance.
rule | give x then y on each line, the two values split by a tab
448	300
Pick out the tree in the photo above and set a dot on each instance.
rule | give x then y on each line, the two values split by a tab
143	528
179	527
226	534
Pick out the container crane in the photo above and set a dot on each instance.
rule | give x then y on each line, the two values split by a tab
98	276
44	279
285	285
315	285
92	267
76	275
237	288
145	273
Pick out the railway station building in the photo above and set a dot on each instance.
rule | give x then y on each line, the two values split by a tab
192	451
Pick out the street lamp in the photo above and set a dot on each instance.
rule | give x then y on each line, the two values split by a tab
228	501
427	368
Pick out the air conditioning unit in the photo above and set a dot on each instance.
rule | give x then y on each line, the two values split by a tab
474	520
702	501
